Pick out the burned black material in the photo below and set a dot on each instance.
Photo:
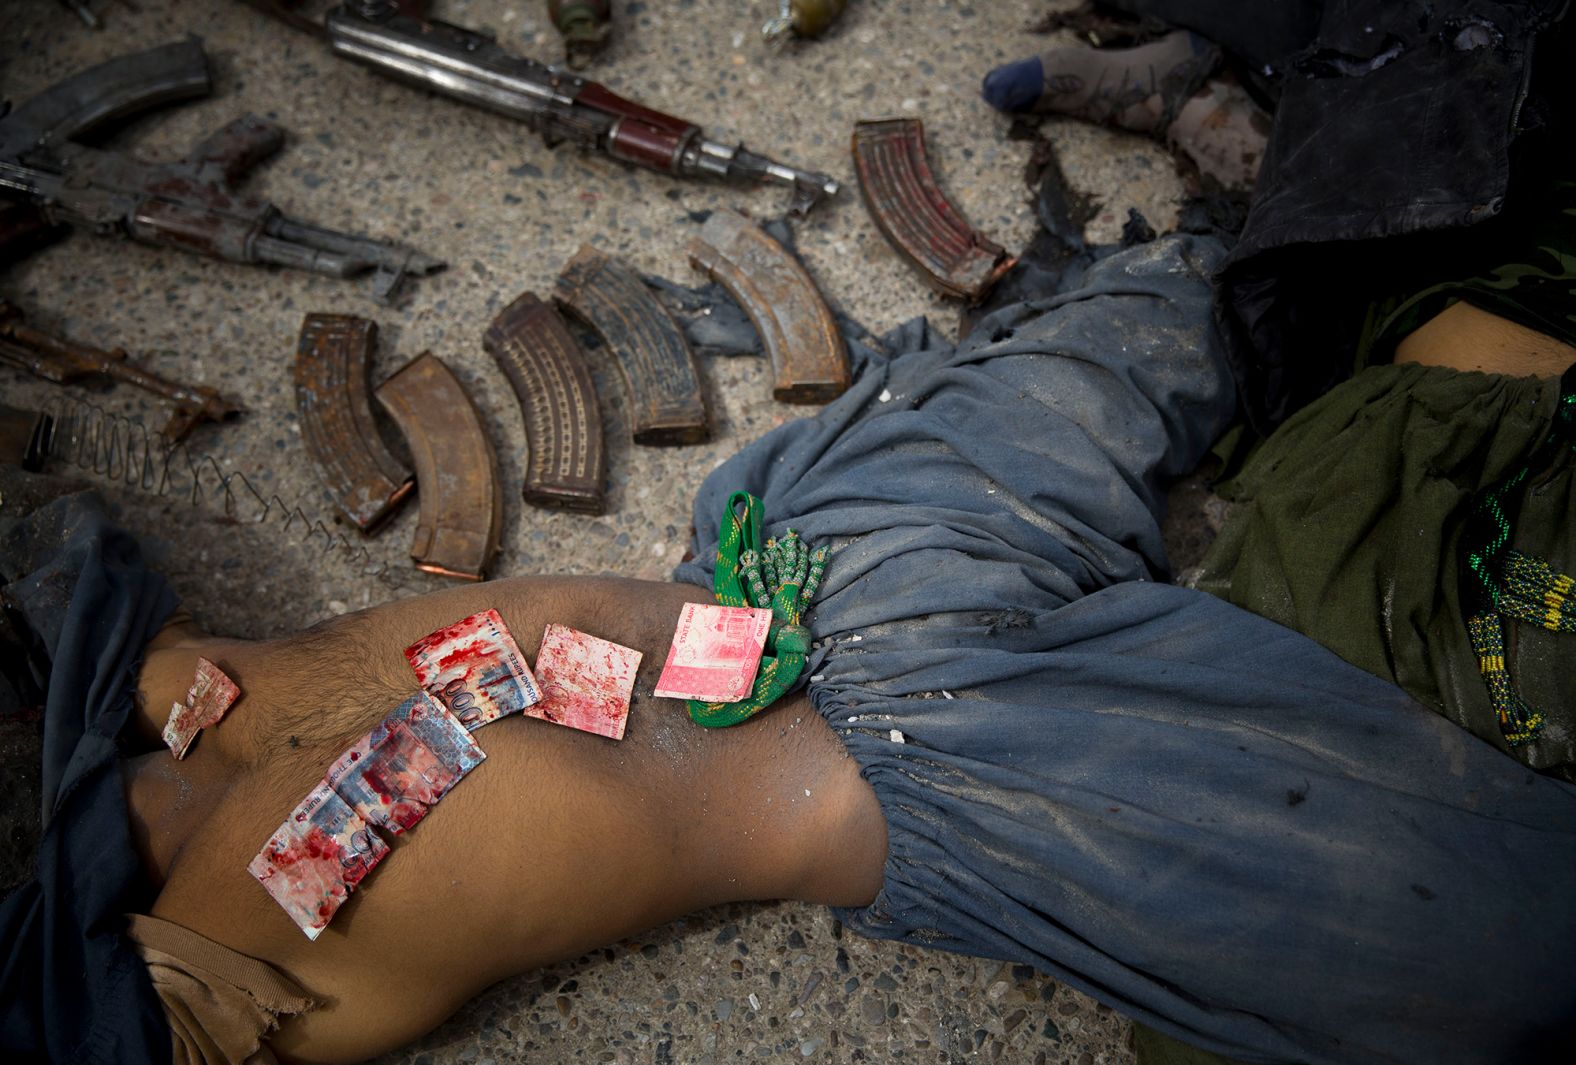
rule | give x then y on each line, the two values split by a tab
665	401
333	401
567	465
189	205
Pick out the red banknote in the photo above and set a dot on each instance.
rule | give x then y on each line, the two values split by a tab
474	668
211	694
312	863
390	777
586	682
715	654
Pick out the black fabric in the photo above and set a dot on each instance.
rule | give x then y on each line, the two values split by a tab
1527	274
1258	35
1400	119
71	987
1404	119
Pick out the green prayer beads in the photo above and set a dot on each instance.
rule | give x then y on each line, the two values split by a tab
783	577
1513	585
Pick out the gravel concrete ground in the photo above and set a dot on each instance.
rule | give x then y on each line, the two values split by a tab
774	983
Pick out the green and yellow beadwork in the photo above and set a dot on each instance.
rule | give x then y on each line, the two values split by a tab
1508	584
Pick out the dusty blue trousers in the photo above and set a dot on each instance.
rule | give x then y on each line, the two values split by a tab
1196	816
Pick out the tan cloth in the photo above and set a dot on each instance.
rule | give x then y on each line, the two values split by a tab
220	1003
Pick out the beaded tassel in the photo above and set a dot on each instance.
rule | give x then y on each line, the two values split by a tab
769	563
749	568
1533	592
1518	721
812	582
1512	584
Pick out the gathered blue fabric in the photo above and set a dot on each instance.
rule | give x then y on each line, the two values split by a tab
1197	816
72	988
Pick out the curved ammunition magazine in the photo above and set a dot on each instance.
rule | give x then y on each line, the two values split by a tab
332	381
456	469
914	214
809	358
563	425
665	401
104	93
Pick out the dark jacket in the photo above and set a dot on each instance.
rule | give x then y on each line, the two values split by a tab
1397	125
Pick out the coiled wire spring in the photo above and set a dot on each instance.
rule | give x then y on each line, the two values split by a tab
124	450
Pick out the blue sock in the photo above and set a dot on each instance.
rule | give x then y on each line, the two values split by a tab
1015	86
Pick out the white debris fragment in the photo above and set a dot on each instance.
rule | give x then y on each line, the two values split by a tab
816	678
946	694
897	736
885	396
755	1003
807	793
855	638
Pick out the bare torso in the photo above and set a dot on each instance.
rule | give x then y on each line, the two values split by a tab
561	841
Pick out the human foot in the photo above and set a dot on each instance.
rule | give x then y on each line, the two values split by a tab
1222	132
1162	88
1139	89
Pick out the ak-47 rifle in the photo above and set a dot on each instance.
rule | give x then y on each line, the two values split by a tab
64	361
394	38
188	205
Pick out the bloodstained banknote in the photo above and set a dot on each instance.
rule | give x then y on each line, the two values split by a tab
441	731
715	654
211	694
474	668
312	863
390	777
586	681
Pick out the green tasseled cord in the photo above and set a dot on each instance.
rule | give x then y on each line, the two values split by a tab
784	577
